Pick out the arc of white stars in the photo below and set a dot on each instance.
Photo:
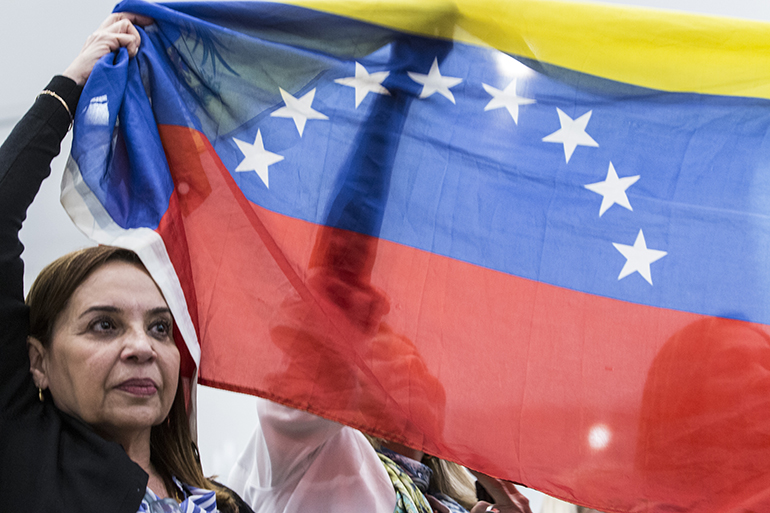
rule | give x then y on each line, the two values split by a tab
256	158
506	98
613	190
435	82
572	133
365	83
298	109
638	258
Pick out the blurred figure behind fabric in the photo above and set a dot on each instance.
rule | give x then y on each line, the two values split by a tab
706	401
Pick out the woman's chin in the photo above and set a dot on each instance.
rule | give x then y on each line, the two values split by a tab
130	421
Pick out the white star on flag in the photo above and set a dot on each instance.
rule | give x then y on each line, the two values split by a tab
572	133
613	190
434	82
506	98
299	109
638	258
256	158
365	83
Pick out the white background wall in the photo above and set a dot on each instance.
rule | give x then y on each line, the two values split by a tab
38	38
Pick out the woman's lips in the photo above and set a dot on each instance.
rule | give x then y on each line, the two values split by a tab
140	387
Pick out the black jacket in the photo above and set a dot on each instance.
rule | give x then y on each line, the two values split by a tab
49	461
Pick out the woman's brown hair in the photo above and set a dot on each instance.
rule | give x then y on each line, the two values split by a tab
172	450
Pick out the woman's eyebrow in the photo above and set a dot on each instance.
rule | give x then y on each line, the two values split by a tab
114	309
101	308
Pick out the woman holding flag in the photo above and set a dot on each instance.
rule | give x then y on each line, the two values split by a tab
93	414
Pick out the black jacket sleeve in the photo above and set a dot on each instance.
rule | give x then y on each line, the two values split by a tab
25	160
49	461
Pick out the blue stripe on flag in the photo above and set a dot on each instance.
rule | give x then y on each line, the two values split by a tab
475	184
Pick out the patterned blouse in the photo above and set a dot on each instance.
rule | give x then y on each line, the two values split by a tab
196	500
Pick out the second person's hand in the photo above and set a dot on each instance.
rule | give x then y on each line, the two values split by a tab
508	499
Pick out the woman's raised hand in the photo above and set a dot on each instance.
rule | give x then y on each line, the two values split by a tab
115	31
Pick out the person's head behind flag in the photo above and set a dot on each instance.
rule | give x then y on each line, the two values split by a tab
704	411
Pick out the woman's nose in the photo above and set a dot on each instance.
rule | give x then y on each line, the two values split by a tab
138	346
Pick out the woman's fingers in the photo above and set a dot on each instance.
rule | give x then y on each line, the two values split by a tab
116	31
134	19
121	27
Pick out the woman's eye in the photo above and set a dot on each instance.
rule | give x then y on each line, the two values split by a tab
161	329
102	325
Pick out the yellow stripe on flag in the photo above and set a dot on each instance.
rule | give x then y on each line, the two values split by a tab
651	48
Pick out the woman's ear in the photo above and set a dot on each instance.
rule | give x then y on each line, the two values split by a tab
38	362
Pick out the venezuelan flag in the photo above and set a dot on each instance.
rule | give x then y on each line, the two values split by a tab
529	236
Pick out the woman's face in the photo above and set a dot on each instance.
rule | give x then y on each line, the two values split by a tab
112	361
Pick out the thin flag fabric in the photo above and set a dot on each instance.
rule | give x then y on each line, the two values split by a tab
527	236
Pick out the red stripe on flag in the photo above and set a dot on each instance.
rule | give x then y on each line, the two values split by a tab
519	379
